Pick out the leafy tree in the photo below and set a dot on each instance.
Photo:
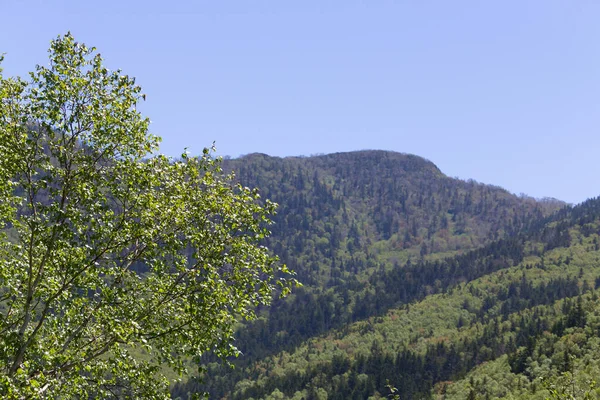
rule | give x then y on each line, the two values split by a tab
115	263
566	387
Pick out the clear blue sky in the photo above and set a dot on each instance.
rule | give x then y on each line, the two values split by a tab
503	92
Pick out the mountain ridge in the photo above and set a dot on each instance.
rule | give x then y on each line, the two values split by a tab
398	156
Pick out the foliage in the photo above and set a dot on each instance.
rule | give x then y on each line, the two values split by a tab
114	251
345	220
567	388
481	315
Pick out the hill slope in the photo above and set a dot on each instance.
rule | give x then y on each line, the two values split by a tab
368	232
528	326
378	201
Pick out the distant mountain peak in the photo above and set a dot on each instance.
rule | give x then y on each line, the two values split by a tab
377	158
367	159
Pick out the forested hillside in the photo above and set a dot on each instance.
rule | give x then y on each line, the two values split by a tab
517	329
348	206
409	276
342	217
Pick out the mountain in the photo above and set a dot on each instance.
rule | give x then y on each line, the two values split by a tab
384	201
404	269
529	326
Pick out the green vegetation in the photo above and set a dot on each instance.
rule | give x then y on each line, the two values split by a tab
345	217
120	269
115	264
525	328
375	308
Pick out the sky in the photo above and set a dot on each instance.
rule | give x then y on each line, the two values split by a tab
503	92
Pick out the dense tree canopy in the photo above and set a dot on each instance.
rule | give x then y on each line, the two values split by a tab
115	263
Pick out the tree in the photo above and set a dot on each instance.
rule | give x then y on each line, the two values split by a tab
115	262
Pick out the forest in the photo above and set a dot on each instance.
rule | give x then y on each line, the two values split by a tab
415	285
